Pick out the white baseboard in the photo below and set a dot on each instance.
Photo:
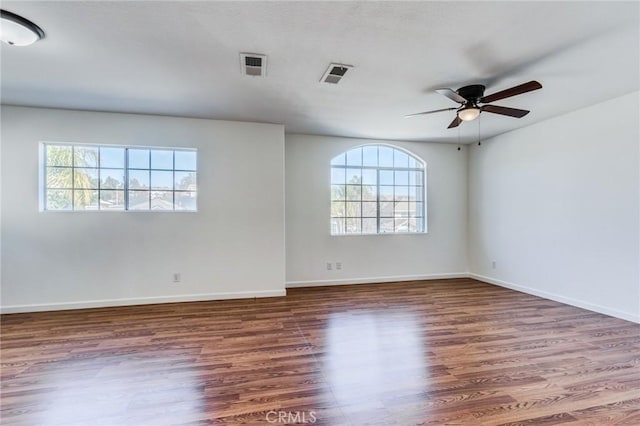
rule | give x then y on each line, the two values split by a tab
104	303
370	280
559	298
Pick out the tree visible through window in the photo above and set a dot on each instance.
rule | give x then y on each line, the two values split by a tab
89	177
377	189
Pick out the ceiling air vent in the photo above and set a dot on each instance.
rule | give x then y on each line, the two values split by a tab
253	64
334	73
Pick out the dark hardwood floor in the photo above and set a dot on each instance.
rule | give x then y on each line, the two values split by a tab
450	352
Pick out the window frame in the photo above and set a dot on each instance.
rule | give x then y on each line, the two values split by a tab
43	184
422	168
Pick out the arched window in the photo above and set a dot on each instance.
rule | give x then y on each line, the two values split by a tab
377	189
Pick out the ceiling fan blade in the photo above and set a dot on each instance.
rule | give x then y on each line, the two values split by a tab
516	90
429	112
449	93
455	123
511	112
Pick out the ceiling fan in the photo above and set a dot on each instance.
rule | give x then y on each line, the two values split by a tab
470	98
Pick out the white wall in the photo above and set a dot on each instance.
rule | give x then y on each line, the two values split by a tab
439	253
232	247
556	205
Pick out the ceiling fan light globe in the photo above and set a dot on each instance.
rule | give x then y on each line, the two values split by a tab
469	114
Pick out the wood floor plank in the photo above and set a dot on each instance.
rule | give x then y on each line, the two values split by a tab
455	352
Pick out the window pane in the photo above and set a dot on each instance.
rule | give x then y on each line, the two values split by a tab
415	178
412	225
186	181
354	176
138	200
186	160
353	192
138	179
385	156
186	201
59	155
162	159
413	163
370	156
338	176
138	158
85	178
419	209
59	199
85	199
386	225
386	193
401	177
386	209
412	209
353	226
162	180
58	177
112	157
111	200
111	178
417	193
401	209
340	160
337	209
400	159
402	193
369	193
162	200
354	157
369	226
353	209
338	192
386	177
369	209
369	177
401	225
85	156
337	226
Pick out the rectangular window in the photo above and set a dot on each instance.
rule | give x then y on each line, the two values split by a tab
114	178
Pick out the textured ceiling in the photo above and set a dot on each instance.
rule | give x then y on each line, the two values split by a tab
181	58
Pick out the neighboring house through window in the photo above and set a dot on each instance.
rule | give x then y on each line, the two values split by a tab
377	189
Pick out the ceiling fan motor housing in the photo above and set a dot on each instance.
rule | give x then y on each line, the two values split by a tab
472	93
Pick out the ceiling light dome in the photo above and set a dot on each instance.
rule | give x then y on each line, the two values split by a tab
469	113
18	31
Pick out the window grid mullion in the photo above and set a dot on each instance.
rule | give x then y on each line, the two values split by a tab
99	180
126	179
378	202
149	196
73	178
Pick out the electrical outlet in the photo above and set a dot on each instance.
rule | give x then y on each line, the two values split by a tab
493	264
338	265
329	266
177	277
